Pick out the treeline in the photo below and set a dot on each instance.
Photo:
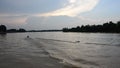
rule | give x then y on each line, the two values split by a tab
3	29
109	27
16	30
44	30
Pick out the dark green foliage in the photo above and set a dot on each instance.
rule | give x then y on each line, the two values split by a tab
109	27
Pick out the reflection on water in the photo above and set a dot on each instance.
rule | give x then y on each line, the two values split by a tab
56	49
3	35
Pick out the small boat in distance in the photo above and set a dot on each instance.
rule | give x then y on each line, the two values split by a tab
28	36
77	41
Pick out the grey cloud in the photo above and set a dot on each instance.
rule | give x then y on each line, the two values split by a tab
54	22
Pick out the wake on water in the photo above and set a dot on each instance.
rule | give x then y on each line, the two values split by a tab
55	52
60	49
68	52
80	42
59	40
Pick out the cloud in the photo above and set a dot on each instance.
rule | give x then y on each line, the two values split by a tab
73	8
13	19
30	14
54	22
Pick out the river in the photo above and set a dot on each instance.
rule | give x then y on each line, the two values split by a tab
60	50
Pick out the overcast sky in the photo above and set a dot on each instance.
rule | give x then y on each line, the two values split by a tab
57	14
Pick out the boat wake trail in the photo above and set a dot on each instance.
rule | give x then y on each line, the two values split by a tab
64	52
40	52
59	40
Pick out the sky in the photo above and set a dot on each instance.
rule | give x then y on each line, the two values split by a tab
57	14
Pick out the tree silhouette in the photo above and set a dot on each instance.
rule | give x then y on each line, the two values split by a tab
118	27
21	30
65	29
109	27
15	30
3	29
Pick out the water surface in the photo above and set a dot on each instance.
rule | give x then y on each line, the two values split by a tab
58	49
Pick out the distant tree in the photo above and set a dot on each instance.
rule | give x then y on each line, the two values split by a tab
65	29
3	28
77	29
12	30
105	27
110	27
82	29
98	28
118	27
21	30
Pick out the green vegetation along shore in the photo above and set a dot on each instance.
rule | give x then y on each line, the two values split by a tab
109	27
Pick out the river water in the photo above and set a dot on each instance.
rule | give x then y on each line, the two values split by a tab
60	50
